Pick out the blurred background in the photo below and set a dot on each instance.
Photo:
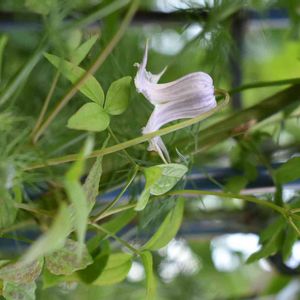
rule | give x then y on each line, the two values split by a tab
237	43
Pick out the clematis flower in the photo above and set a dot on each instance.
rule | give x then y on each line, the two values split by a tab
186	97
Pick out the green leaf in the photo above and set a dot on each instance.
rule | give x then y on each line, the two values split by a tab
269	248
54	238
91	185
93	271
72	41
80	53
289	171
91	88
90	117
291	236
8	211
171	174
150	278
159	180
117	97
274	228
17	291
168	229
116	269
21	272
50	279
65	261
152	175
235	184
77	195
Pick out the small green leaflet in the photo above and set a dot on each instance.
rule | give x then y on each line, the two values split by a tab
168	229
235	184
8	211
116	269
289	171
91	87
65	261
17	291
21	272
271	239
290	238
79	54
117	97
100	258
159	180
91	185
90	117
54	238
150	279
76	193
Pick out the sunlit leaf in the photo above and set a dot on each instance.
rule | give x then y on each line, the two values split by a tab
150	278
91	88
19	291
152	175
90	117
54	238
79	54
171	174
168	229
116	269
117	97
289	171
65	260
159	180
21	272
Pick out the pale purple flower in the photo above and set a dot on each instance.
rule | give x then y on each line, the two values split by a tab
186	97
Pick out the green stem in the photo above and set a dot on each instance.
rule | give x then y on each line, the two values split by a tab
135	141
108	207
263	84
121	241
45	107
195	193
229	195
94	67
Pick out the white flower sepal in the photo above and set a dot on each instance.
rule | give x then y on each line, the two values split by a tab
184	98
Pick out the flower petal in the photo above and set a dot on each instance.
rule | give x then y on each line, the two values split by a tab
171	111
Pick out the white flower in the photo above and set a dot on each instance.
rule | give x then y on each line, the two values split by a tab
186	97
